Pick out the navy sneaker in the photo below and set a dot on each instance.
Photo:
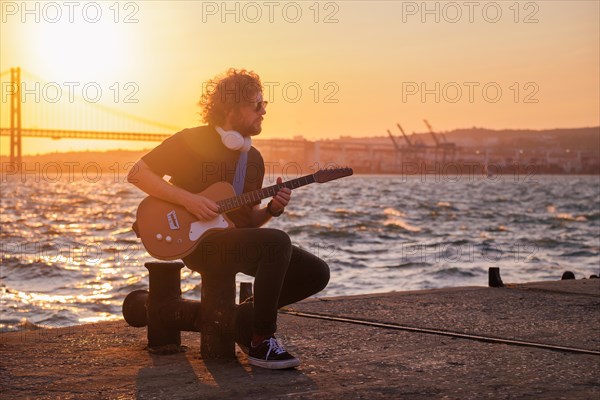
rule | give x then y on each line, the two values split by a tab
269	354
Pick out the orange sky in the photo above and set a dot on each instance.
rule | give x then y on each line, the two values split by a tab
351	68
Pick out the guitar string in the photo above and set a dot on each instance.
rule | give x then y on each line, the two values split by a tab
234	202
245	198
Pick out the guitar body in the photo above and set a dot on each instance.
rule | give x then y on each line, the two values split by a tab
169	232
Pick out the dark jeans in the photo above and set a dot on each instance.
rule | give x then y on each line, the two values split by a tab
283	273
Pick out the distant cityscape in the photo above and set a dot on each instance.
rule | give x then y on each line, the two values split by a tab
474	151
559	151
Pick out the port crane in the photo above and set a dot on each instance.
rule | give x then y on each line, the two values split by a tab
443	145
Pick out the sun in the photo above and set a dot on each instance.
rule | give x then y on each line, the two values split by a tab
78	50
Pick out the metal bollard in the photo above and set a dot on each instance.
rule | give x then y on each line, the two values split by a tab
494	279
134	308
166	314
218	313
567	275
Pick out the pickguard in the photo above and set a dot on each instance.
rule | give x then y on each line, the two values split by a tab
198	228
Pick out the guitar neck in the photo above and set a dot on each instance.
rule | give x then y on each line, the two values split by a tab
256	195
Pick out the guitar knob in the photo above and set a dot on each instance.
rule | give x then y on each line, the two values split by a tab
158	236
168	239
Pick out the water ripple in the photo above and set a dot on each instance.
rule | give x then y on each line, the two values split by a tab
69	255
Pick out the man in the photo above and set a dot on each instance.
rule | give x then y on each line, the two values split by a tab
233	109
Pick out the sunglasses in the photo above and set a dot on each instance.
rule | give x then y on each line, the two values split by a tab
260	105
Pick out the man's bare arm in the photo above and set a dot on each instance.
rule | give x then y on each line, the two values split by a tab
144	178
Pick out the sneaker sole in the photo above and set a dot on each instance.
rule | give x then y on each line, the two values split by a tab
283	364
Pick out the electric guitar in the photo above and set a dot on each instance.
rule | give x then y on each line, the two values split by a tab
168	231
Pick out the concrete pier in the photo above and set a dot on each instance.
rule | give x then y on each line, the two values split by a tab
543	342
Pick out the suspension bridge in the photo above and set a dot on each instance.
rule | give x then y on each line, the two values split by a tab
33	107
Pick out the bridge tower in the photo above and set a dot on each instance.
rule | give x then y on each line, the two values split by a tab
15	116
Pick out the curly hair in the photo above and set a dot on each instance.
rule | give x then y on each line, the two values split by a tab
226	92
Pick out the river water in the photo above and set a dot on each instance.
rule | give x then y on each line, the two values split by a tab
70	257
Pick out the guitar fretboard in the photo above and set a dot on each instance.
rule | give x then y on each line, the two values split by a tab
257	195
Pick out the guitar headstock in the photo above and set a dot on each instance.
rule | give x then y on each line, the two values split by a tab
329	174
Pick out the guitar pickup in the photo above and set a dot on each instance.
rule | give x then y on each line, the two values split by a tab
172	219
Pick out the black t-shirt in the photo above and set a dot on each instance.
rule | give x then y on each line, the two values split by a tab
196	158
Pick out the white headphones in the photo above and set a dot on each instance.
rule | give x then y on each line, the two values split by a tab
234	140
